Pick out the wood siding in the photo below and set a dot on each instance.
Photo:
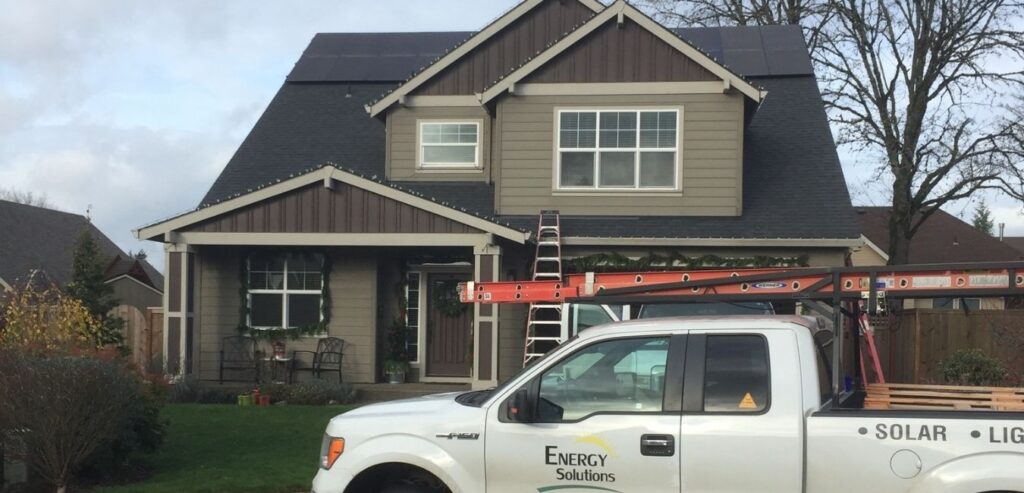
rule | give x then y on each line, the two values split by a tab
712	157
353	310
626	53
403	143
316	209
508	49
132	293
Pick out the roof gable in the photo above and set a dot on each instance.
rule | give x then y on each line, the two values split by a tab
542	31
625	52
618	13
309	203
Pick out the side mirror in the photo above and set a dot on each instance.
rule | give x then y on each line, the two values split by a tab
520	407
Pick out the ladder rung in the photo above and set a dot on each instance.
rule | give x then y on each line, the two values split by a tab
545	322
549	259
545	339
548	274
534	306
548	243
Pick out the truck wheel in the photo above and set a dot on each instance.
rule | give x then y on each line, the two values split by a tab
416	484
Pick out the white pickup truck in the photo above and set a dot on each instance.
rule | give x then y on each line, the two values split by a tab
737	404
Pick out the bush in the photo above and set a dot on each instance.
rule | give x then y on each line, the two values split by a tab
320	392
76	414
973	367
189	390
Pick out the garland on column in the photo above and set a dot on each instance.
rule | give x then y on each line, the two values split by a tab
617	262
279	333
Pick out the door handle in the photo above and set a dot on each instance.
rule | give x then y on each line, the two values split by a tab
658	445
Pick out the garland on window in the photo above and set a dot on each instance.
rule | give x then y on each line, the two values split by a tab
279	333
617	262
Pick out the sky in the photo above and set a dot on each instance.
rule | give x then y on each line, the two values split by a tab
127	110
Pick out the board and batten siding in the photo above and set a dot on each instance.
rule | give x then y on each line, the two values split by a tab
711	149
403	143
353	284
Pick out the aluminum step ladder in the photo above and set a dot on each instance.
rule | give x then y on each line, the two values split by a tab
544	327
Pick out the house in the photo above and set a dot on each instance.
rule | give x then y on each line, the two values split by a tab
942	238
1016	242
363	195
36	247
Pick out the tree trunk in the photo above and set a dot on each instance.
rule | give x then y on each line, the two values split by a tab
899	223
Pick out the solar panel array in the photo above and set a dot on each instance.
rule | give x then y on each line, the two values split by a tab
756	51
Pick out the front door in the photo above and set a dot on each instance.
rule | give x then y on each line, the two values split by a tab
449	327
601	424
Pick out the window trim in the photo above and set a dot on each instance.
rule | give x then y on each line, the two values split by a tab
556	177
284	292
476	166
667	408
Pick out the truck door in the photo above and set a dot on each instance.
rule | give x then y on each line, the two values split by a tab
600	420
742	426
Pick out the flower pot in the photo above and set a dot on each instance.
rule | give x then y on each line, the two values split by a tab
245	400
396	377
264	400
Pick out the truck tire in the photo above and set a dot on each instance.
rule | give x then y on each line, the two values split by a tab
416	484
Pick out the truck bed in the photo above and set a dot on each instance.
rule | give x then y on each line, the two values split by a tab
943	397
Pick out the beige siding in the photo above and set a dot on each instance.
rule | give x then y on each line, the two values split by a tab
131	292
353	286
403	143
712	154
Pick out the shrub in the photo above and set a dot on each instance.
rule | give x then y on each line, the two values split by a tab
76	412
973	367
189	389
320	392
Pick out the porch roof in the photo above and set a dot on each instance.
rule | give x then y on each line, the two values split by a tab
320	216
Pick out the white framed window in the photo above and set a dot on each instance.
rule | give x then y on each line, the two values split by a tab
449	144
285	290
412	316
618	149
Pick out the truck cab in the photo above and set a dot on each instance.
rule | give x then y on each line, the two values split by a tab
730	404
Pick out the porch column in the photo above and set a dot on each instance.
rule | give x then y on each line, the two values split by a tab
179	307
486	265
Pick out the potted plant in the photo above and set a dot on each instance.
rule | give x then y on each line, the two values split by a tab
396	370
396	364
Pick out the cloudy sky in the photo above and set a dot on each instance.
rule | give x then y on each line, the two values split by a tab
129	109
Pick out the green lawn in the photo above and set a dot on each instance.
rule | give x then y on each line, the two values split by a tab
223	448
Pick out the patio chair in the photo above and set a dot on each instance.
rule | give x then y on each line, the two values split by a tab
238	353
327	357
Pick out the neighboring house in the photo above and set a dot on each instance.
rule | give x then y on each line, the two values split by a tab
709	141
1016	242
37	244
942	239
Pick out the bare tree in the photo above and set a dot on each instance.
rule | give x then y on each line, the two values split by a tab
811	15
928	86
25	197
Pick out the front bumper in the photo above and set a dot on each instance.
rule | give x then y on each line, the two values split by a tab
331	481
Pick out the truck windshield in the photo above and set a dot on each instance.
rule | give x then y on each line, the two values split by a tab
705	309
478	397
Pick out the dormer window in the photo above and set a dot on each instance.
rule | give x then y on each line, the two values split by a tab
618	150
449	145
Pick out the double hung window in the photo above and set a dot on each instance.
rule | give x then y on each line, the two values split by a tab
449	145
618	150
285	290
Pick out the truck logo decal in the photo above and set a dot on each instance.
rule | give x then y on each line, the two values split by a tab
769	285
598	442
545	489
459	436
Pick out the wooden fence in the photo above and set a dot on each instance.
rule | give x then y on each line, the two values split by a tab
913	344
144	335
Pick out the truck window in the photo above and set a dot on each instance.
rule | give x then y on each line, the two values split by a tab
624	375
736	376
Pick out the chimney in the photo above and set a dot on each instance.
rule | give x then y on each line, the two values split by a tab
1002	228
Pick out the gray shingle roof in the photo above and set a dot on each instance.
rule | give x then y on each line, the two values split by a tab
41	239
794	186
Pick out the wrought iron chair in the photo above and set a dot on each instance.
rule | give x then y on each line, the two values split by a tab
327	357
238	353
